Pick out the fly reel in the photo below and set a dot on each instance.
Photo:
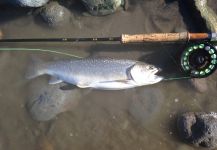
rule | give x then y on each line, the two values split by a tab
199	60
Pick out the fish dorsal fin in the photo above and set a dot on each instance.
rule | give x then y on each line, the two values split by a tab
54	80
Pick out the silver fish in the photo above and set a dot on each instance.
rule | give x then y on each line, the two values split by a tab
98	73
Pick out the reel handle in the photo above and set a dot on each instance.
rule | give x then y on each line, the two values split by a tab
165	37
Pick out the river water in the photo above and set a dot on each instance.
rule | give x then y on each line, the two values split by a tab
139	119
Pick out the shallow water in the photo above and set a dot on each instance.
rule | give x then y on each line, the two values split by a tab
140	118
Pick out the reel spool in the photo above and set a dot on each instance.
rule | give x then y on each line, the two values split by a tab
199	60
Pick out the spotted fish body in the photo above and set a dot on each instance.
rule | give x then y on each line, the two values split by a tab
99	73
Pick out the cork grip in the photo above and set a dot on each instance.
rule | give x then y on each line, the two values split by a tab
154	37
164	37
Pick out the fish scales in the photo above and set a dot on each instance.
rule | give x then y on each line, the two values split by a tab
90	69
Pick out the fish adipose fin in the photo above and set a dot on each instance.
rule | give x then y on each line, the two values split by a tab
35	68
54	80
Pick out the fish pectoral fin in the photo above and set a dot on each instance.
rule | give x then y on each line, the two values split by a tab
68	87
54	80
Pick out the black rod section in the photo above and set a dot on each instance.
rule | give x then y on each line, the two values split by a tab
105	39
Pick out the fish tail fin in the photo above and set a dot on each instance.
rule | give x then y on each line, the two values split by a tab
35	68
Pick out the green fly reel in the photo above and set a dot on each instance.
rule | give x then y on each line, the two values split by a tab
199	60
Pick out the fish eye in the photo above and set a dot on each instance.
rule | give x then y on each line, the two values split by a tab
150	67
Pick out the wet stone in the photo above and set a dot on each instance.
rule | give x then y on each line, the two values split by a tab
30	3
102	7
46	101
200	84
207	14
54	14
145	104
199	129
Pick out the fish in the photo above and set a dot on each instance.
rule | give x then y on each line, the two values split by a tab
96	73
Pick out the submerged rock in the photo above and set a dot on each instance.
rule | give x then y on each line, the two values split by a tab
102	7
200	129
54	14
46	101
145	104
200	84
31	3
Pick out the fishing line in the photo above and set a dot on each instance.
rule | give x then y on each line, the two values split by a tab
39	50
177	78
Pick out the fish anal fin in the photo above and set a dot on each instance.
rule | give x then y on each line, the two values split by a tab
54	80
81	85
114	85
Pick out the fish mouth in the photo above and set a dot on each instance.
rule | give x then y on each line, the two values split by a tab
156	79
157	70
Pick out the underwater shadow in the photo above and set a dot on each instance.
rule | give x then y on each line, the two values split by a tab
191	16
75	7
11	12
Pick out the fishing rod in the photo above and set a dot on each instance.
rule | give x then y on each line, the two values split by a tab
129	38
198	59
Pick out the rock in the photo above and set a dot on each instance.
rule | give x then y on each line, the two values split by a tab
200	128
102	7
204	16
54	14
200	84
46	101
31	3
145	104
207	14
